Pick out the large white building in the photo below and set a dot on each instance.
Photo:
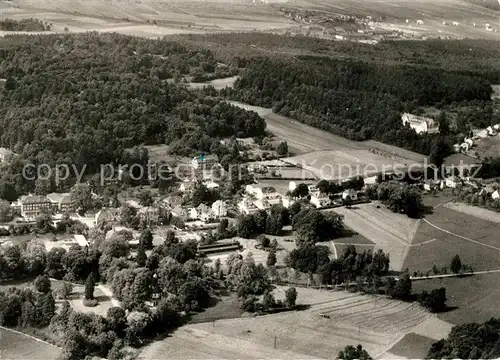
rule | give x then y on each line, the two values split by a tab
219	208
418	123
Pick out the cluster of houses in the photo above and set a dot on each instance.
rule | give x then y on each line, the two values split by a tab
477	134
258	197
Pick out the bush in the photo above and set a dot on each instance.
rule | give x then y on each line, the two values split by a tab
90	302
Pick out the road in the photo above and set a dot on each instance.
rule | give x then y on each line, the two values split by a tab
453	275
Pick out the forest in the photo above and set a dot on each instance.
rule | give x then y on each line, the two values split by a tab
353	99
86	99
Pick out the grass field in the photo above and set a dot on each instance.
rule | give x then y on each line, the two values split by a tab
21	347
393	233
412	346
329	156
475	211
476	297
435	242
374	322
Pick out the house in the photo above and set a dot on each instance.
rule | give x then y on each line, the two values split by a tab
32	206
246	206
263	192
61	202
495	195
420	22
173	201
210	185
350	193
480	133
149	214
81	240
491	131
133	204
187	185
202	212
219	208
180	212
371	180
5	154
204	165
457	148
320	200
452	182
464	147
418	123
287	201
108	216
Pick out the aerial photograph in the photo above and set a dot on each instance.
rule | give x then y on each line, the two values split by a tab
249	179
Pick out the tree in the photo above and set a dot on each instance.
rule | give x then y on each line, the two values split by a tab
456	264
117	319
353	353
264	241
444	124
300	191
268	300
5	211
81	196
42	284
47	308
290	297
141	257
145	198
146	239
314	226
271	258
435	301
66	290
89	287
402	289
282	149
438	152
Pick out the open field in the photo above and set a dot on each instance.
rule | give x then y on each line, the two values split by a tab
14	346
393	233
331	156
475	211
376	323
445	233
412	346
476	297
218	84
147	17
151	18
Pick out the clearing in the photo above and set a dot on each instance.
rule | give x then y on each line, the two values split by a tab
377	323
393	233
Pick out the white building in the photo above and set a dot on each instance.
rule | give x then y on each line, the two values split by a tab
202	212
351	193
187	185
491	131
320	200
452	182
495	195
81	240
418	123
219	208
210	185
5	154
180	212
246	206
